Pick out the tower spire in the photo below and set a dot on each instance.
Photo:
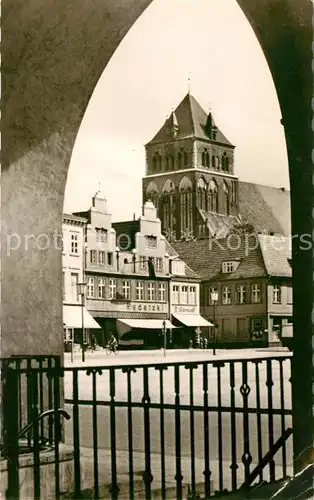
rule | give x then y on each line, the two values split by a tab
189	83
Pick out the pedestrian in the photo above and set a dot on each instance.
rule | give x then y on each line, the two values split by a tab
201	343
205	343
190	344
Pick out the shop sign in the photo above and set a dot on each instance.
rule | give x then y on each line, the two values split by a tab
144	307
185	309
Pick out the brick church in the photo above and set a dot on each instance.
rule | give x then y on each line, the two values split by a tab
191	179
190	175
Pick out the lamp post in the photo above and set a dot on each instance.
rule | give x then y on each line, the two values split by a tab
81	288
214	299
164	329
134	252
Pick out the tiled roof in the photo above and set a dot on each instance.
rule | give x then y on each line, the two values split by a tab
218	224
266	207
276	251
191	120
206	257
189	273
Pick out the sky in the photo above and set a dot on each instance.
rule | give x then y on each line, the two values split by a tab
208	42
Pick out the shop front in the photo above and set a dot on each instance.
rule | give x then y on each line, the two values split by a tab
76	320
192	329
135	324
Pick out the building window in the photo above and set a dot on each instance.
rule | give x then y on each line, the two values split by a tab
184	295
213	197
175	294
101	235
91	288
126	290
257	328
112	289
139	290
74	282
241	294
142	263
256	293
162	292
93	257
276	294
158	264
210	291
151	291
289	295
226	295
101	288
74	243
192	295
228	266
101	258
151	241
109	258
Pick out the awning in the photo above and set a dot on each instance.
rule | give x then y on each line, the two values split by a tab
125	325
72	317
192	320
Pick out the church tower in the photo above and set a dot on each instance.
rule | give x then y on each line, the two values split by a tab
190	175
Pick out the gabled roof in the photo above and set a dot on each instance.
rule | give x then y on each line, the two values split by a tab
189	273
266	207
206	256
276	251
191	120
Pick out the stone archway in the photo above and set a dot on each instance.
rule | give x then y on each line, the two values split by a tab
53	56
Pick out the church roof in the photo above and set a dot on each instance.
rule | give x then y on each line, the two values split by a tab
267	208
218	225
192	121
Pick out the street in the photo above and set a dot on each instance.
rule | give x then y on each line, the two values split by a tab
85	392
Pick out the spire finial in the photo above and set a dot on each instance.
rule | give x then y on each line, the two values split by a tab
189	83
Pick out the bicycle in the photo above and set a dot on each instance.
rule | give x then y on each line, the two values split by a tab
111	350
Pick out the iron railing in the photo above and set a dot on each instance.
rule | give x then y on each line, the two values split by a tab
205	425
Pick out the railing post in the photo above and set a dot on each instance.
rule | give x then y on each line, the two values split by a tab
10	430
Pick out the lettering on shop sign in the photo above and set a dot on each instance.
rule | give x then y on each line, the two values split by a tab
182	309
144	307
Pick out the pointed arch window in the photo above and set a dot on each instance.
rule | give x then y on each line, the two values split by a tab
186	208
202	194
168	210
213	197
185	158
225	162
179	160
205	158
159	161
227	198
154	163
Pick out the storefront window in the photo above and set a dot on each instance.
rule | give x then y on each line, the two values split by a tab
126	290
162	292
151	291
175	294
139	290
112	289
257	328
192	295
184	295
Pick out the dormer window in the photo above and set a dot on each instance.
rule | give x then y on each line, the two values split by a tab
229	266
178	268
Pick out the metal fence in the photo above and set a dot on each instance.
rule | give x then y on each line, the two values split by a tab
205	426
